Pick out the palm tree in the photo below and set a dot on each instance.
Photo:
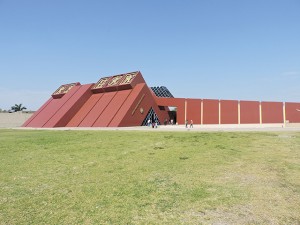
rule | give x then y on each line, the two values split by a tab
17	107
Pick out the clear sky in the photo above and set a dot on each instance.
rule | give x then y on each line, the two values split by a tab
217	49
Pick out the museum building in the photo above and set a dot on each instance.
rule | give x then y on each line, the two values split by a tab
126	100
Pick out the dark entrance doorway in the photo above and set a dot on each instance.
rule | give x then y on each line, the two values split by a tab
173	114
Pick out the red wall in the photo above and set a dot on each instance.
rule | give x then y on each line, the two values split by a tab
193	110
292	112
84	110
272	112
33	117
46	113
134	94
51	108
141	97
210	111
174	102
98	108
229	112
110	111
69	108
249	112
87	110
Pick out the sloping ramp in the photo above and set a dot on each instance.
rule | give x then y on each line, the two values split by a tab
97	110
85	110
110	111
70	107
50	109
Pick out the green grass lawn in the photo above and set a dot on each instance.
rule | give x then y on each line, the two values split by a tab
135	177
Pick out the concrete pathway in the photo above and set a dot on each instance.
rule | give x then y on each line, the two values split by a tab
182	128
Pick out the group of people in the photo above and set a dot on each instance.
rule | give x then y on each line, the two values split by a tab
154	124
171	122
187	124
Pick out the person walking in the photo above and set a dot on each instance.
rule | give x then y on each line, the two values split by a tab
191	125
186	124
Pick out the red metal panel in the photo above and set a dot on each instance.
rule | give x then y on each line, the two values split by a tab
47	113
136	107
249	112
50	110
210	111
69	109
272	112
111	110
162	114
141	99
33	117
193	110
229	112
174	102
84	110
292	112
83	117
126	106
94	114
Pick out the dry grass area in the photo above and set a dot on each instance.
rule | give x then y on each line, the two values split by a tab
136	177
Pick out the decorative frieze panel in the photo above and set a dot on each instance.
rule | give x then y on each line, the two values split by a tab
101	83
117	82
63	89
128	78
114	81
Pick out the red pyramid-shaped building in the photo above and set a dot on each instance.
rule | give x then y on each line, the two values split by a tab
115	101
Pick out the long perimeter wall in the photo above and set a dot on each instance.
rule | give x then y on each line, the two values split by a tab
213	111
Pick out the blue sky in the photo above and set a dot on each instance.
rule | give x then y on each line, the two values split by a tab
217	49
